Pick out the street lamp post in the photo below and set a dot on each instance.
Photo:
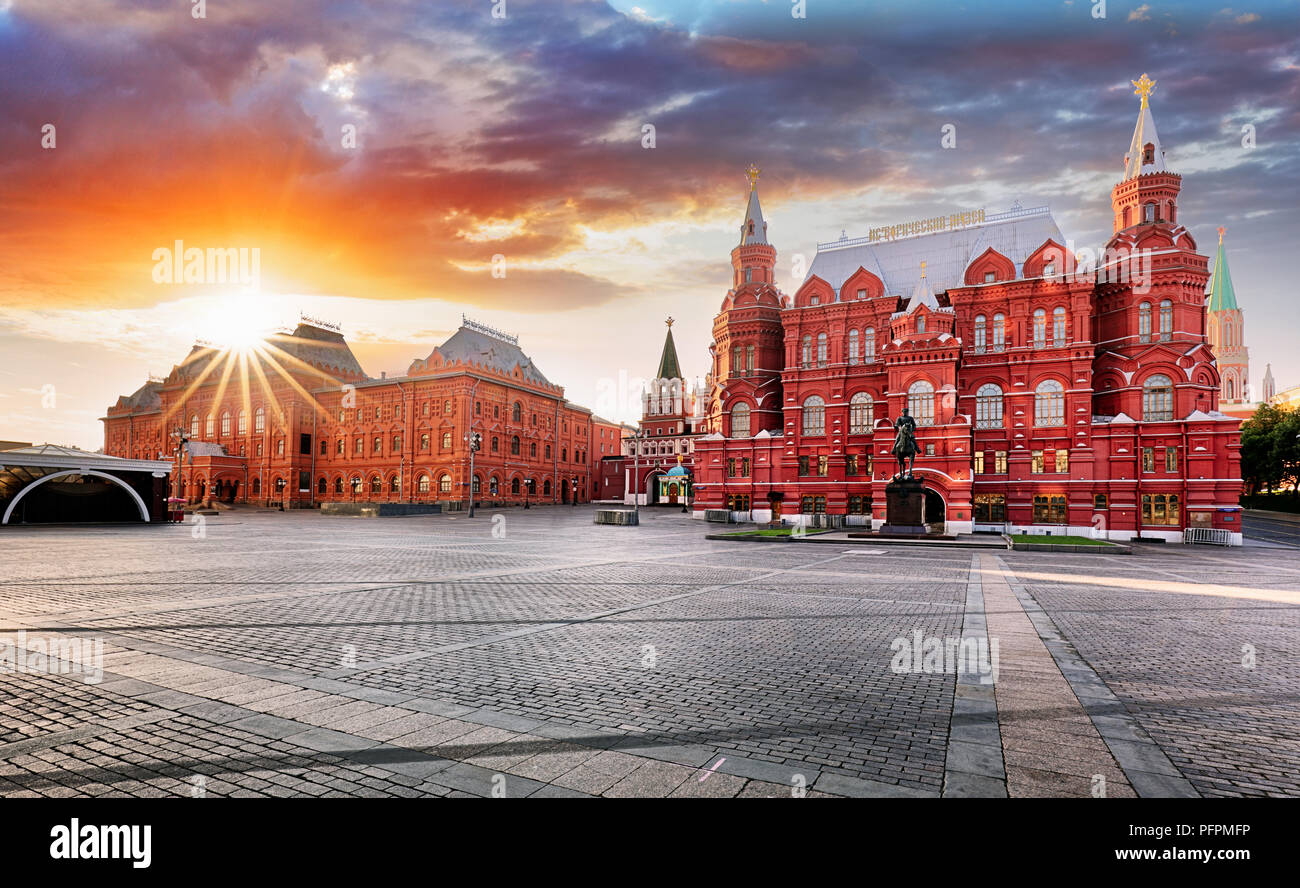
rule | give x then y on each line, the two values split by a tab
637	437
475	442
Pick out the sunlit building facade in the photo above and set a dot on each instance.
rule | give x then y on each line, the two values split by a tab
297	422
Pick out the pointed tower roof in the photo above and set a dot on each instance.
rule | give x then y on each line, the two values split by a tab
668	366
922	294
753	230
1144	134
1222	296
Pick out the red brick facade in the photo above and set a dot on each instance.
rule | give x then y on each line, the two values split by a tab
1048	396
304	425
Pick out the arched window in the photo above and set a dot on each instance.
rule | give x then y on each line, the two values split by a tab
194	425
1148	212
821	349
1040	328
356	484
517	412
376	484
394	485
853	346
740	421
1166	320
988	407
446	440
257	487
814	416
492	485
444	483
338	485
1144	322
476	485
422	483
979	334
805	358
321	487
920	402
259	420
514	486
209	427
1158	399
241	422
861	410
546	487
1148	155
1049	403
532	448
999	332
1058	326
1229	389
514	446
869	344
424	442
920	323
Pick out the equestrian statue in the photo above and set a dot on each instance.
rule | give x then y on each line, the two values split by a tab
905	445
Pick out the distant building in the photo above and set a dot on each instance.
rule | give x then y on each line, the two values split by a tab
1225	327
298	422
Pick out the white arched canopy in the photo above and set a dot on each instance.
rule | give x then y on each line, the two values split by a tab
144	511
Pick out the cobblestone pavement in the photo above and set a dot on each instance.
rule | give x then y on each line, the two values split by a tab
270	654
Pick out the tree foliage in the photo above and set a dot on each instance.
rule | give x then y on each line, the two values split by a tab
1270	449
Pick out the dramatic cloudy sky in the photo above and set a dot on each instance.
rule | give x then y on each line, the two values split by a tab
522	136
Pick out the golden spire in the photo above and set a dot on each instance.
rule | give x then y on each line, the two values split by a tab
752	173
922	268
1144	86
1221	231
669	322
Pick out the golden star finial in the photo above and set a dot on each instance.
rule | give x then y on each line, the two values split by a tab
752	173
922	268
1221	231
1144	85
669	322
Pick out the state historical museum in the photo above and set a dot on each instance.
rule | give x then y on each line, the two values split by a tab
1049	393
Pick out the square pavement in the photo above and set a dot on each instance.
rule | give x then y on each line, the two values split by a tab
292	654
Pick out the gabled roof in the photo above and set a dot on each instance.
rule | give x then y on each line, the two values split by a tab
1222	296
669	368
470	344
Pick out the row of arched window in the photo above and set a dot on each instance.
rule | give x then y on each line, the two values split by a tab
861	348
1049	407
241	424
1166	321
424	483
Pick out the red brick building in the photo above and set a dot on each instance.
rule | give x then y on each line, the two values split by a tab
297	422
1048	395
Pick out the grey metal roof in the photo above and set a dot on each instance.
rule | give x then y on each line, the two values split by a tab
326	349
1015	234
319	347
471	345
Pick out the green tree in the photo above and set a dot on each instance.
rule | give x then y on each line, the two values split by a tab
1258	466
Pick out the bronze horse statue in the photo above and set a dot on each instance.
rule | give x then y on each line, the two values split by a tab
905	444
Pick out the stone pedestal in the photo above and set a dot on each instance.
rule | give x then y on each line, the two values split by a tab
904	508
